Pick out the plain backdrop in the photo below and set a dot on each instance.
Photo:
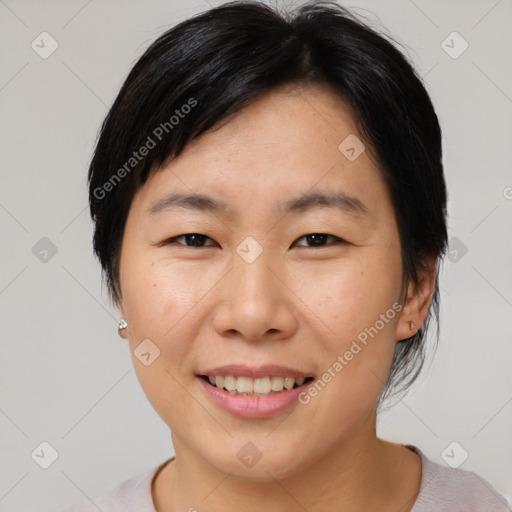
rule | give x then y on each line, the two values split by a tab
66	379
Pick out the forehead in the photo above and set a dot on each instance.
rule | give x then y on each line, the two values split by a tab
287	143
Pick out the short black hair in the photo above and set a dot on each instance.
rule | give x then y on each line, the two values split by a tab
207	68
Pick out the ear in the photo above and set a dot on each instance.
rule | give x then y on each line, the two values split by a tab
417	302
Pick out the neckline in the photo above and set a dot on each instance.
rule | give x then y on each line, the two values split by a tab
426	473
152	474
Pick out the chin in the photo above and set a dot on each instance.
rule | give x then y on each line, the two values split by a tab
254	465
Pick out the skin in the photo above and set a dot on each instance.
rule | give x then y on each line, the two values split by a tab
297	305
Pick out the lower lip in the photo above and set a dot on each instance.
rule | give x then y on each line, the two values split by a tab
253	407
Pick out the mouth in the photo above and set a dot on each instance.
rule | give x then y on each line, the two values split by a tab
255	387
254	393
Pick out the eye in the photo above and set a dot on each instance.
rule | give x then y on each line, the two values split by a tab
198	240
319	239
191	240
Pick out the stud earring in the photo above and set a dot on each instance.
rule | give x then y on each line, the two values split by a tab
122	325
412	325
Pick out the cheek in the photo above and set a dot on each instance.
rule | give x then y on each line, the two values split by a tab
358	304
157	293
164	302
159	300
352	295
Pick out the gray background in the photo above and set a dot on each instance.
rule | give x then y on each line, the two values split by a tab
67	379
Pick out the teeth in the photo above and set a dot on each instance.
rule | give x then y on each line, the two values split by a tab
276	383
289	382
262	386
230	383
243	385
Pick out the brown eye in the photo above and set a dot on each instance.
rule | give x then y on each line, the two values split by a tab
318	239
190	240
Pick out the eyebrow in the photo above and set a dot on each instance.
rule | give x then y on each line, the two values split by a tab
308	201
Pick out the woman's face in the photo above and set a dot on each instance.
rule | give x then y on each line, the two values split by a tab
255	296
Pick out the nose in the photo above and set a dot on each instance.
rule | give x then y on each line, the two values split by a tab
256	302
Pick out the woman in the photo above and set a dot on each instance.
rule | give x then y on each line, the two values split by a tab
270	214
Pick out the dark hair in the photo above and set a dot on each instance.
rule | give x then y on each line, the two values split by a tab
210	66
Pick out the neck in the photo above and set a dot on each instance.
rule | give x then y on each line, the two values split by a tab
360	474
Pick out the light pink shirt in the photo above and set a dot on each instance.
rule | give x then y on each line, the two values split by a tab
443	489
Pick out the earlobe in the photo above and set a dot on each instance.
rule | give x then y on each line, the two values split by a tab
123	325
122	329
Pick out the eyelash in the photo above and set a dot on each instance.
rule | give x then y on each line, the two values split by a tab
174	239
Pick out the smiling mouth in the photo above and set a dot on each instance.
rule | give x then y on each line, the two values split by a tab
247	386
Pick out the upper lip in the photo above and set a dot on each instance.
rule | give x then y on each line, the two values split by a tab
254	372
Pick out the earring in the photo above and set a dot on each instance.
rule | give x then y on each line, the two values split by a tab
412	325
122	325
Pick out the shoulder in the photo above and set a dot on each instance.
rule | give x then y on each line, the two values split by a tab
455	490
131	494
